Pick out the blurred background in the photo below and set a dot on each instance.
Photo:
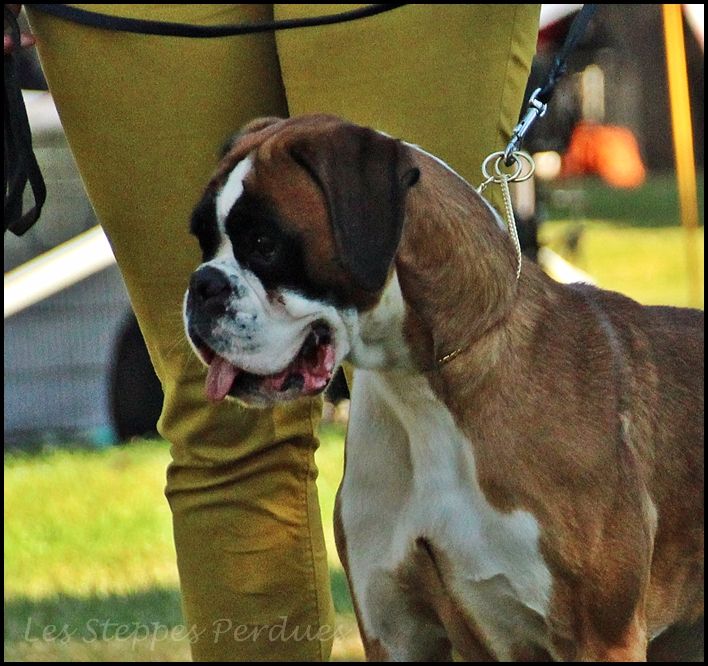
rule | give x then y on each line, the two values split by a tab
617	200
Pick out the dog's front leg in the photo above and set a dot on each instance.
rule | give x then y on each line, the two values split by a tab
402	625
631	647
395	623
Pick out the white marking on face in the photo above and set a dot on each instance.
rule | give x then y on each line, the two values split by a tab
412	473
231	191
225	200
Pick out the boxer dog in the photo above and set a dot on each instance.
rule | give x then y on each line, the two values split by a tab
523	475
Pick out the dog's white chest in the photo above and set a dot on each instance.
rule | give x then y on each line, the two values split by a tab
411	474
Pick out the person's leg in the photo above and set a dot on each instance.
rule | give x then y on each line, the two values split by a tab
145	117
449	78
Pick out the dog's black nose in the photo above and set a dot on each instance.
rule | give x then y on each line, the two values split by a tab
209	287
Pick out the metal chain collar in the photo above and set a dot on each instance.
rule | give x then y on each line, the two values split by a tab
518	174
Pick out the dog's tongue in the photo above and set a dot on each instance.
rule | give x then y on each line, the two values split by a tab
220	378
311	370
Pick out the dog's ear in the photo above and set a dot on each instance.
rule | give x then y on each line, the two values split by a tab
364	176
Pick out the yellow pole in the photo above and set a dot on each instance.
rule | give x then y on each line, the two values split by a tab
683	143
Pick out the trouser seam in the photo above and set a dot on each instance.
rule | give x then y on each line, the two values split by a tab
314	588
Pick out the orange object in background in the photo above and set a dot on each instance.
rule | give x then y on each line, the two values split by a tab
606	150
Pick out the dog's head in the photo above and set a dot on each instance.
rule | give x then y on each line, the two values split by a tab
298	228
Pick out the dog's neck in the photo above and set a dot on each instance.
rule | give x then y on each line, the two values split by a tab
456	267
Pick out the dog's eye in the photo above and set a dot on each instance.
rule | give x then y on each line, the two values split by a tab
264	246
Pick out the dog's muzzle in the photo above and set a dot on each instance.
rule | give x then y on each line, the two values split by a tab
210	311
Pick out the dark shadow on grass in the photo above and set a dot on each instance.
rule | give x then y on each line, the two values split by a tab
99	617
91	618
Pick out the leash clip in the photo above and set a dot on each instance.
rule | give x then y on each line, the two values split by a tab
537	109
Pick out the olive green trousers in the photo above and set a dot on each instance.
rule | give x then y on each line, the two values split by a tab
145	117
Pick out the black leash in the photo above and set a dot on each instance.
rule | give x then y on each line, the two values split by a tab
145	27
20	163
538	102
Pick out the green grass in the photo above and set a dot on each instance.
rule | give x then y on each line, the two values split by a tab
88	549
88	540
632	240
97	521
647	264
654	204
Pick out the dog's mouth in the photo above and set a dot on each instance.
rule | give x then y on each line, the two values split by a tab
308	373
